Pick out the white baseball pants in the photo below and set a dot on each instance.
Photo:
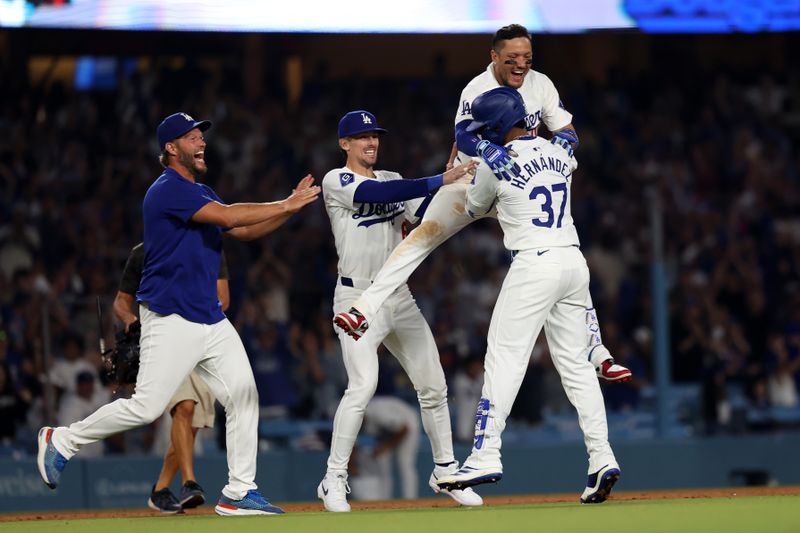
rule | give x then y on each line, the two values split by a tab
444	218
400	326
171	347
547	290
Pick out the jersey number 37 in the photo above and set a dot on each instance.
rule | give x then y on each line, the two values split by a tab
547	205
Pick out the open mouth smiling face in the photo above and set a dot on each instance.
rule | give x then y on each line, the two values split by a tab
513	62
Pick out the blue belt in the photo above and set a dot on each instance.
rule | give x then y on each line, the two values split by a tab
362	284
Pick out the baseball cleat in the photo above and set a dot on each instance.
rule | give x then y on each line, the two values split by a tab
333	491
466	476
599	484
351	322
466	497
163	500
49	460
252	504
612	372
192	495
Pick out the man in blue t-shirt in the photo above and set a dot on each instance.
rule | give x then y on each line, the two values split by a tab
183	326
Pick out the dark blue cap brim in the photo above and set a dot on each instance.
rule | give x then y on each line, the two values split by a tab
202	125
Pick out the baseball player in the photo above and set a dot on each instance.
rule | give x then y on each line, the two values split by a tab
183	326
394	425
510	67
367	208
546	285
191	408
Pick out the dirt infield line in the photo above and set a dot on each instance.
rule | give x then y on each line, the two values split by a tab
305	507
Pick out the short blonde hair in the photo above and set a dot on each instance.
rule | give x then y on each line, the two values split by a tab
163	158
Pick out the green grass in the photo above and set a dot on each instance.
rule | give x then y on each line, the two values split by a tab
728	515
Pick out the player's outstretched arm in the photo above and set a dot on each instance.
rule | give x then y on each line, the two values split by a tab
251	221
400	190
302	195
458	171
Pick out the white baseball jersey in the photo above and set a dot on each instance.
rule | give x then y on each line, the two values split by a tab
547	286
365	233
445	216
538	92
534	208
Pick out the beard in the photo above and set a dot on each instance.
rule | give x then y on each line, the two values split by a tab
191	164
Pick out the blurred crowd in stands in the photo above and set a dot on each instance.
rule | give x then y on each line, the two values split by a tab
717	148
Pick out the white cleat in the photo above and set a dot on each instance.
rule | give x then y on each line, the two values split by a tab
599	484
333	491
466	497
467	476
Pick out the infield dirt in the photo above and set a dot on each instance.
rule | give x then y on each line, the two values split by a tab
301	507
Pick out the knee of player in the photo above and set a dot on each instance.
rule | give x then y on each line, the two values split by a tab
362	393
145	411
184	409
432	396
245	393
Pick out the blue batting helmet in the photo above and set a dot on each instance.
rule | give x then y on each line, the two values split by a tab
495	112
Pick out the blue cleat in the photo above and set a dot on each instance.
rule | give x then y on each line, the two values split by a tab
253	503
50	462
599	484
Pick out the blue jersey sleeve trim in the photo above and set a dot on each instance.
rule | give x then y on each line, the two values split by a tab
375	192
434	182
466	141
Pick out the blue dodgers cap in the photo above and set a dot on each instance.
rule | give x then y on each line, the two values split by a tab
358	121
176	125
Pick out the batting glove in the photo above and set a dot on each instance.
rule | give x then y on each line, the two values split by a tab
498	160
567	139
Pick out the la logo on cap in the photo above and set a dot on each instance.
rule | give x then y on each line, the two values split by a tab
366	119
187	117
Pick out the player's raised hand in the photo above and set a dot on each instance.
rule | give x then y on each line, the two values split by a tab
304	183
302	195
459	171
567	139
498	159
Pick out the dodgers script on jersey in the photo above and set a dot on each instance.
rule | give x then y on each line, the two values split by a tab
358	228
533	208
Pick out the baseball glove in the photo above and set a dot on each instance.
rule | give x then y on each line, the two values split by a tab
124	358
